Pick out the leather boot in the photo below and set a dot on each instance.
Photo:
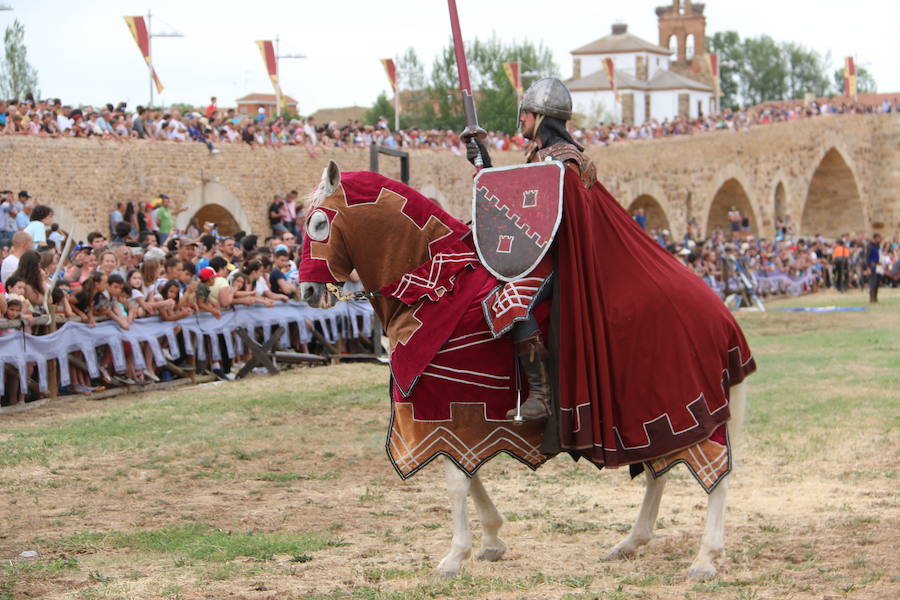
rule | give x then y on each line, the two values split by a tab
533	358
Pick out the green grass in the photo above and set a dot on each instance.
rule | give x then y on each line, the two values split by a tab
257	445
197	542
223	417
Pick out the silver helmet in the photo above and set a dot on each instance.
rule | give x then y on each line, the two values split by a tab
548	96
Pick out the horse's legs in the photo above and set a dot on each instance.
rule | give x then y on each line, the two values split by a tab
492	547
642	530
713	544
458	484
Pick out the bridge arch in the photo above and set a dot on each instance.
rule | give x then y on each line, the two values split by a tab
730	190
833	203
214	202
657	218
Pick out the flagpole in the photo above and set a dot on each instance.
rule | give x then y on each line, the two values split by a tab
150	56
277	77
396	99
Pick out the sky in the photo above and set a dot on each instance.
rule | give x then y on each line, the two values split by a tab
84	52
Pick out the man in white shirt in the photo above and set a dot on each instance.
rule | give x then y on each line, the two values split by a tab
21	242
310	130
41	219
63	122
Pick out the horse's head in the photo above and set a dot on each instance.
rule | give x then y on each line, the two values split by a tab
365	221
315	274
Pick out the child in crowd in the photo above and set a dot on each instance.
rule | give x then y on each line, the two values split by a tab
13	312
15	287
204	302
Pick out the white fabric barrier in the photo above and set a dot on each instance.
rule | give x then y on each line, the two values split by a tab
345	320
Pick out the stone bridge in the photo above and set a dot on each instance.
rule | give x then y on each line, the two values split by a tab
828	175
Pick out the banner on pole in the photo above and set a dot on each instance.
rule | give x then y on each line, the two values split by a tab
267	50
138	29
513	72
849	77
391	70
610	68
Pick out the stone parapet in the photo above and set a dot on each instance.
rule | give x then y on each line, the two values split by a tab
851	163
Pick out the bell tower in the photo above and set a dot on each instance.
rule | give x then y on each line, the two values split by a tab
682	29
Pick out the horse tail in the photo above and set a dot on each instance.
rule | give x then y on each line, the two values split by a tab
738	407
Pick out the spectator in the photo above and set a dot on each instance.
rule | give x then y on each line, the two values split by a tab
41	218
7	218
275	215
164	218
56	237
278	281
97	242
117	216
21	243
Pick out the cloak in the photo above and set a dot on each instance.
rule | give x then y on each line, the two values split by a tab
645	351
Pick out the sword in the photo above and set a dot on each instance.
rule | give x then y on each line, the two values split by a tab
472	129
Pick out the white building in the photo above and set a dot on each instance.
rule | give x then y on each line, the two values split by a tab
647	88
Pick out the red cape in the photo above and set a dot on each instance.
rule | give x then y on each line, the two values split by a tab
646	351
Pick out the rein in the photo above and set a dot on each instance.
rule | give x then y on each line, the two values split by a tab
343	296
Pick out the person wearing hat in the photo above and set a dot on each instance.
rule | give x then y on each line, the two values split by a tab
206	275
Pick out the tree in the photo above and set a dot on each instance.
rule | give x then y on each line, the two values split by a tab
763	71
17	77
807	71
730	53
381	108
865	83
437	103
410	71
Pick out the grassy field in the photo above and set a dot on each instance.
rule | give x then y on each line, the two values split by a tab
278	487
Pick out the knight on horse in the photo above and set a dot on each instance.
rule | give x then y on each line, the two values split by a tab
543	113
644	352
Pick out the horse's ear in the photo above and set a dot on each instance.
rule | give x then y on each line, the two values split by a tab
331	177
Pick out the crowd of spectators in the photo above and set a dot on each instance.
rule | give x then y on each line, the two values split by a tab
734	261
142	266
214	126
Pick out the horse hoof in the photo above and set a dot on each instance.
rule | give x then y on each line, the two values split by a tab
451	566
701	572
448	571
621	552
492	554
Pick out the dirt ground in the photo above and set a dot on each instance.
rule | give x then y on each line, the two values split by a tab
816	514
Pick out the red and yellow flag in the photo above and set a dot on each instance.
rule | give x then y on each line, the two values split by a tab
610	68
142	37
513	72
391	70
267	49
849	77
712	61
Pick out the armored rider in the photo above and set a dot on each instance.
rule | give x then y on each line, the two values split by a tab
543	112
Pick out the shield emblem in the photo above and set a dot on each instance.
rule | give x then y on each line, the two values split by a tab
515	212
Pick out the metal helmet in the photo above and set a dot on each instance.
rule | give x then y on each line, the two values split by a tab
548	96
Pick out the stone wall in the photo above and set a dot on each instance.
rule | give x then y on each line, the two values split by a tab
848	167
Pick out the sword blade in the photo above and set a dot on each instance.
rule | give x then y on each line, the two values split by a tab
463	70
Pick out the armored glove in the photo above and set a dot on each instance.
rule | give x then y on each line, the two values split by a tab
474	149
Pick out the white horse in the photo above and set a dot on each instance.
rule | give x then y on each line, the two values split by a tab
337	247
712	548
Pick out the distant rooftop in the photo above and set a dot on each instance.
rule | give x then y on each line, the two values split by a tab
263	99
621	41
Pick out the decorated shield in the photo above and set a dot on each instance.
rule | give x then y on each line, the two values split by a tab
515	212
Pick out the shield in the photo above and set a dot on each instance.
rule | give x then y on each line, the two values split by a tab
515	212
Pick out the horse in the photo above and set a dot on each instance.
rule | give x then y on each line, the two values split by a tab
398	240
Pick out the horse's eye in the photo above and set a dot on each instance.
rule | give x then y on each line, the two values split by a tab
318	227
